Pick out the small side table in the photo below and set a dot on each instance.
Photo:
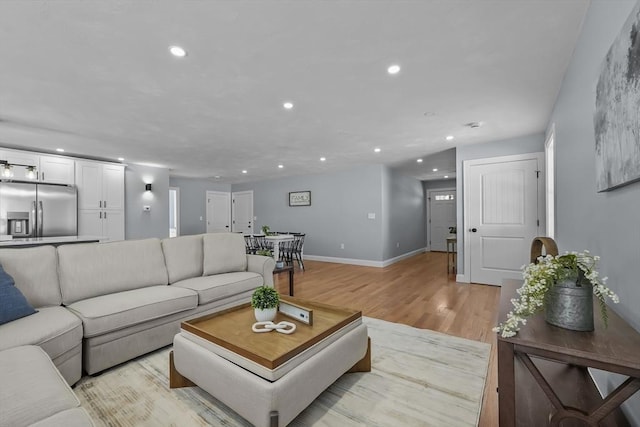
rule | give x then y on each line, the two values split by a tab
288	268
452	241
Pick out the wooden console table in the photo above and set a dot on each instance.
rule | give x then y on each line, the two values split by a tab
542	371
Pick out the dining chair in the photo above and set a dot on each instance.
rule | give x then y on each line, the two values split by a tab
298	243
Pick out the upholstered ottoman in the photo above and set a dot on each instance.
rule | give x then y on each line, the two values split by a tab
268	397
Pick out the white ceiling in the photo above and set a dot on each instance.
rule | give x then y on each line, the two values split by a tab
96	79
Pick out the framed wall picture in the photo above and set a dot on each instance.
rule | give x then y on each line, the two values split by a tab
300	198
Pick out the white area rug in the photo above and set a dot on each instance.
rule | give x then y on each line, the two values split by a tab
419	378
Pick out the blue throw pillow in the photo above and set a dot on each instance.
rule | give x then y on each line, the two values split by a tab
13	305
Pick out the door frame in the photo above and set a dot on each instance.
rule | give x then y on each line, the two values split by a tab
177	190
465	277
206	206
428	224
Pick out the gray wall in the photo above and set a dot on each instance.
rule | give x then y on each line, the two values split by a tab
140	224
404	230
340	203
509	147
605	223
193	204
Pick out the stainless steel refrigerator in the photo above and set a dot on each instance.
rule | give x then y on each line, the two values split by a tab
38	210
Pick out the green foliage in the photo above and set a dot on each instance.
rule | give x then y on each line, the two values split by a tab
266	230
264	252
265	297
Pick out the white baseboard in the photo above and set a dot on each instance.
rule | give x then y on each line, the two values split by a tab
462	278
363	262
388	262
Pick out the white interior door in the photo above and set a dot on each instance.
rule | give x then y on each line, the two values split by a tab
218	212
442	215
503	206
242	212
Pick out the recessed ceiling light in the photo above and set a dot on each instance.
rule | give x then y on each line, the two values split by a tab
121	159
288	105
217	177
435	169
244	171
177	51
377	150
446	176
280	166
60	150
419	160
322	159
449	137
393	69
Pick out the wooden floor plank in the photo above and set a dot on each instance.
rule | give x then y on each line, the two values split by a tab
418	292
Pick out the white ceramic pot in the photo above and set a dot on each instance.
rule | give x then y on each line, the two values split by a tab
265	315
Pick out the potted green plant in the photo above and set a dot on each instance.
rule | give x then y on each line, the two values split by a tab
265	301
264	252
551	285
266	230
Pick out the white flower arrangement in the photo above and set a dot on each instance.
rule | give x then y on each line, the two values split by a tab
541	277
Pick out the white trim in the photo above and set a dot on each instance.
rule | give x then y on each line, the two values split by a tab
428	214
364	262
177	190
465	277
550	182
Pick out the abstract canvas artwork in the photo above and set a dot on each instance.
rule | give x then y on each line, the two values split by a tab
617	116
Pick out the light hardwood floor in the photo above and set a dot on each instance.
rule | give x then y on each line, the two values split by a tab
417	292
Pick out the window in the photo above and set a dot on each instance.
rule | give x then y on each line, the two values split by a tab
550	160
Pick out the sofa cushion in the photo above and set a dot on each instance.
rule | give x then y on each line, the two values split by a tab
13	305
111	312
183	257
32	388
95	269
55	329
35	272
219	286
223	253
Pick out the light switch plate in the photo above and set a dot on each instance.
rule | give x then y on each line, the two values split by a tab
371	216
146	208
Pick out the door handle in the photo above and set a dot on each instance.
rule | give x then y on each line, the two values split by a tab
473	230
40	218
32	221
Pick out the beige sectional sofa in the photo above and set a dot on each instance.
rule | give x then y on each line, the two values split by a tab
101	304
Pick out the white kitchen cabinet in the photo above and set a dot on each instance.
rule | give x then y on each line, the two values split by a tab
100	199
29	166
57	170
20	162
103	223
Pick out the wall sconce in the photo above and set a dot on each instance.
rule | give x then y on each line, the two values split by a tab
147	187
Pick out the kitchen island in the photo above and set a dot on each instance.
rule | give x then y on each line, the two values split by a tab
28	242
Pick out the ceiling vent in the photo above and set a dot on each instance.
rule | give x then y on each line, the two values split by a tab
474	125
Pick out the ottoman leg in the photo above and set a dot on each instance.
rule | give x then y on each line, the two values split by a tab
364	364
176	380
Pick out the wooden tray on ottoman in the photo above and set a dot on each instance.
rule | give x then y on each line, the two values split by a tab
231	329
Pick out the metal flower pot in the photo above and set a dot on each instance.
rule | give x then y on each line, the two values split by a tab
569	304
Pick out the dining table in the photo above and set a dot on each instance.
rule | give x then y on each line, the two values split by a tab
276	240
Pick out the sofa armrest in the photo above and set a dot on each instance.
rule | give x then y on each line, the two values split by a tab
262	265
